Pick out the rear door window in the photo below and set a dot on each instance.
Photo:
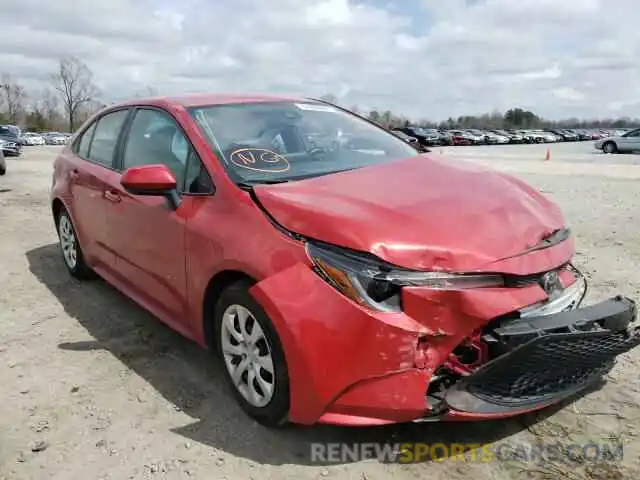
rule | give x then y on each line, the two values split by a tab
85	142
105	138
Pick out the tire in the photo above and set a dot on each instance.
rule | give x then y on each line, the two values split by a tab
272	409
70	248
609	147
3	171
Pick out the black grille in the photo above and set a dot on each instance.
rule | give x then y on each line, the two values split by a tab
548	367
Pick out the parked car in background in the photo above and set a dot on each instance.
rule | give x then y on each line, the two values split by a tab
476	136
627	142
458	137
3	162
55	138
582	134
10	133
11	143
413	141
31	138
596	135
426	137
539	136
565	135
436	136
12	130
493	138
11	149
511	136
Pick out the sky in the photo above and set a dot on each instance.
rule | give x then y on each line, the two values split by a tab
426	59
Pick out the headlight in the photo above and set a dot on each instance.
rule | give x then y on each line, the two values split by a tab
377	285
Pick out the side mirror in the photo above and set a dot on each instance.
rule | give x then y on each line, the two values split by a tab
151	180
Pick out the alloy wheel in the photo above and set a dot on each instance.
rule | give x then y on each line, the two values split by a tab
68	242
247	356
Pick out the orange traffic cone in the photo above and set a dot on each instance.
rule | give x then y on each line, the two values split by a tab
547	157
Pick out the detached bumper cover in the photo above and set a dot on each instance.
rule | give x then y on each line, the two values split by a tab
549	358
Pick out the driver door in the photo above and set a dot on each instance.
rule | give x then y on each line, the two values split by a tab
147	236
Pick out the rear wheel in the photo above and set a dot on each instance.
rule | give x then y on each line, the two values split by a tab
70	248
253	358
609	147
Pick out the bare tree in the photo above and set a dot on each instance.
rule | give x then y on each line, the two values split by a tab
50	103
13	96
147	91
74	83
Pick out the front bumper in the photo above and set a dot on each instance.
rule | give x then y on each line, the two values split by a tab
548	359
11	149
350	366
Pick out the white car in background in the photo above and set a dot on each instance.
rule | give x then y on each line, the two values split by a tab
547	137
496	139
31	138
627	142
54	138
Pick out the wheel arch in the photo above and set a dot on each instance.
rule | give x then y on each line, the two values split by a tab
56	207
217	284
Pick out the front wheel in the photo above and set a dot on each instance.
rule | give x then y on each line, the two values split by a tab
253	358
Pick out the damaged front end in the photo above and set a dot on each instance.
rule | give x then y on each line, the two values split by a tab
492	345
533	357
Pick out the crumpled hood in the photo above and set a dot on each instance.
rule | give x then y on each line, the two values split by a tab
423	213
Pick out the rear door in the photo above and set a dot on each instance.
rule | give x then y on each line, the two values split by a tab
92	168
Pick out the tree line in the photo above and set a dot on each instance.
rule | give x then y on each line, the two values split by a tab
515	118
72	96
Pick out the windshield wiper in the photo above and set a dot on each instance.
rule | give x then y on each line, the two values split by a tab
249	184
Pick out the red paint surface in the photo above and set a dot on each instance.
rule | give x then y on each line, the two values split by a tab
346	364
424	213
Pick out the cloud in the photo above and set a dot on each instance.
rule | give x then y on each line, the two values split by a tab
425	58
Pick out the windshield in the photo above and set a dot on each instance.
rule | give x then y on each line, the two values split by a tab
280	141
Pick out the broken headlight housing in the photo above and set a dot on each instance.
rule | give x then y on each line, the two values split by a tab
377	285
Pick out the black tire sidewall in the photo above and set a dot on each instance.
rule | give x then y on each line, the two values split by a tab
275	413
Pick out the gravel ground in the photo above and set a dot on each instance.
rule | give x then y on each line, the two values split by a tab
94	387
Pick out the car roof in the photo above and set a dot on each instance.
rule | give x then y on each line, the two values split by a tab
202	99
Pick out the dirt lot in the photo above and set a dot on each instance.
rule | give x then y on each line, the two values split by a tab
100	389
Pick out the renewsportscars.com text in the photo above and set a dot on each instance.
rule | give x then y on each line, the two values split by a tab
412	452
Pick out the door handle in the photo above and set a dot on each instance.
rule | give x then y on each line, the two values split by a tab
112	196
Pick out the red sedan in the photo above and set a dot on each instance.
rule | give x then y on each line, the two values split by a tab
341	276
